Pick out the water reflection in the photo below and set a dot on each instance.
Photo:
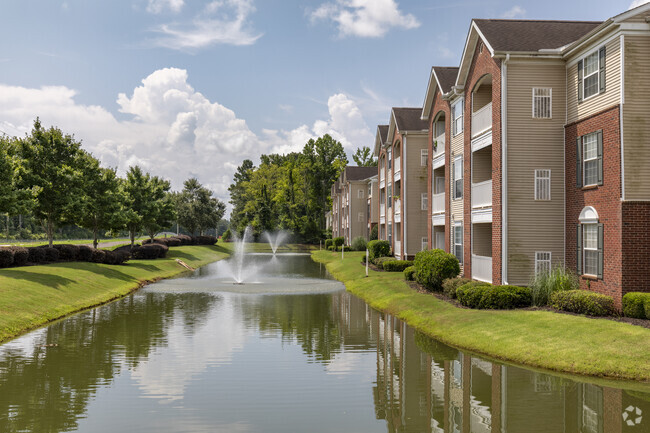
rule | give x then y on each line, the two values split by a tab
168	361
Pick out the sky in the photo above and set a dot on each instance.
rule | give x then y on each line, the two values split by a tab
191	88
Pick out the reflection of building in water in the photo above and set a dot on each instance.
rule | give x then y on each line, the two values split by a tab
425	386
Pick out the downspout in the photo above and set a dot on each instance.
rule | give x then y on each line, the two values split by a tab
404	176
504	170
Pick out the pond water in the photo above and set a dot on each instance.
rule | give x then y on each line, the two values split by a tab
292	352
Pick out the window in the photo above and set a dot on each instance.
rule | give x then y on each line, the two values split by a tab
359	193
390	232
457	116
424	157
591	74
458	241
457	178
542	99
390	160
589	161
390	196
369	190
590	247
425	244
424	201
542	262
590	243
360	217
542	184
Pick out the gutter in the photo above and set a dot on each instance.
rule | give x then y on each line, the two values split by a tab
504	170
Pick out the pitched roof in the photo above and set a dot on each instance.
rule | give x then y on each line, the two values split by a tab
383	133
446	77
353	173
408	119
532	35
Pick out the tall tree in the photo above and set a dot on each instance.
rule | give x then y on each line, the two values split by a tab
197	209
12	198
238	195
51	167
363	157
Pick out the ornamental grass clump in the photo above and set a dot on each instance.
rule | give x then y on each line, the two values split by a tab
397	265
583	302
358	244
636	305
543	284
432	267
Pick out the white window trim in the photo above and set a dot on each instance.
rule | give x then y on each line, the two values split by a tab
424	201
597	52
585	160
458	225
360	193
425	244
453	176
360	217
539	261
550	103
454	119
424	157
538	177
585	249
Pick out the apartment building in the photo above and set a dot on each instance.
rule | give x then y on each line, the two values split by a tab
402	159
350	203
372	208
545	126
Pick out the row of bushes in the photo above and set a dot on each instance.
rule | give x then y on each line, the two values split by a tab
178	240
21	256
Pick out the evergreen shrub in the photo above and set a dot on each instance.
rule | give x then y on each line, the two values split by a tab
380	261
409	273
634	305
85	253
432	267
397	265
36	255
328	243
583	302
338	241
21	255
450	285
378	248
6	257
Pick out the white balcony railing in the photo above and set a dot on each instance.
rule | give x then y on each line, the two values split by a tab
482	268
397	206
439	202
440	145
482	120
382	175
397	248
398	165
482	194
382	210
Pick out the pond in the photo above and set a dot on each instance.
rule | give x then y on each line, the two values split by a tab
290	352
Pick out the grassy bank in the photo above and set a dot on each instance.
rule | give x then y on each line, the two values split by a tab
541	339
34	295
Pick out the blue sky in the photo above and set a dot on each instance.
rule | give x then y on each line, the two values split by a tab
192	87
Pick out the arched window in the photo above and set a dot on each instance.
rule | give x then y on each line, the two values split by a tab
590	243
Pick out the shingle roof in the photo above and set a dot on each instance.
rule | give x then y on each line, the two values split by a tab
408	119
532	35
353	173
383	133
446	77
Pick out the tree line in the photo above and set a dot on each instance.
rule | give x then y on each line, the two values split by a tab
47	176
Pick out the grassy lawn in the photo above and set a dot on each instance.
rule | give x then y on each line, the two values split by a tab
34	295
541	339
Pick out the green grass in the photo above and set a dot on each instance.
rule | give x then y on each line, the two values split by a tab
32	296
539	339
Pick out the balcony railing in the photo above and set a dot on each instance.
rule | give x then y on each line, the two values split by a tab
398	165
482	268
440	145
482	194
482	120
439	202
397	206
397	250
382	210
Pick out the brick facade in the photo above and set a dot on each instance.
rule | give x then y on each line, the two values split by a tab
635	246
482	64
605	199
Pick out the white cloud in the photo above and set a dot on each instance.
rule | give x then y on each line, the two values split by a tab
637	3
220	22
515	12
159	6
172	130
365	18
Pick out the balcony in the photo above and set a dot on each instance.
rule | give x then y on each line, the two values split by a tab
397	210
482	268
382	210
482	120
397	248
440	146
482	194
398	169
439	202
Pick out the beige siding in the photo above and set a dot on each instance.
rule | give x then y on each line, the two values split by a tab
374	207
457	147
416	184
636	118
578	111
534	144
640	18
358	205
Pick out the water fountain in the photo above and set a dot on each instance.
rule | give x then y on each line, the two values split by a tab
275	239
238	270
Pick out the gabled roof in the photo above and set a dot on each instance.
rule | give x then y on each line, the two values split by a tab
354	173
406	119
380	137
443	78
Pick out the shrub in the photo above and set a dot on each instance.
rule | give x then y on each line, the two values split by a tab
432	267
583	302
226	236
646	307
6	257
338	241
98	256
203	240
328	243
379	262
85	253
450	285
21	255
506	297
174	242
470	294
634	305
115	257
67	252
409	273
36	255
149	251
331	248
374	233
397	265
542	285
378	248
358	244
51	254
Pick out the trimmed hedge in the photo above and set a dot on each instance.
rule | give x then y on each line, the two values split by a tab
450	285
583	302
486	296
36	255
635	305
409	273
67	252
328	243
21	255
397	265
6	257
149	251
379	262
51	254
98	256
338	241
378	248
85	253
470	294
432	267
331	248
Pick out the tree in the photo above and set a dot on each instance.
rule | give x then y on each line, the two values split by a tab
364	157
12	198
197	209
51	167
238	192
102	205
